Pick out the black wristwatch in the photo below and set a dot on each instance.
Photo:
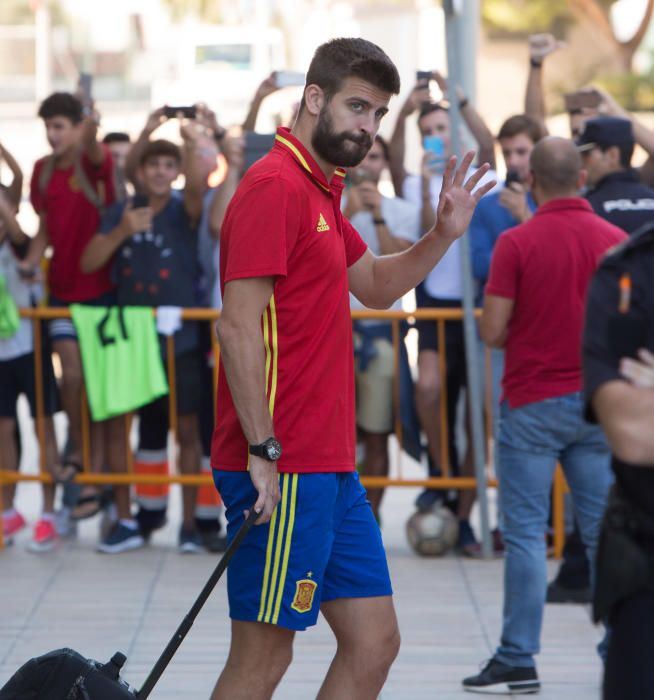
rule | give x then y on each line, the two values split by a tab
269	449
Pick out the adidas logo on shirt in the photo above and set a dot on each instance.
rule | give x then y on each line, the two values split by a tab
322	225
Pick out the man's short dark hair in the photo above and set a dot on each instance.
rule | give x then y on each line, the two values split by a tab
521	124
429	107
61	104
160	147
384	146
116	137
339	59
555	164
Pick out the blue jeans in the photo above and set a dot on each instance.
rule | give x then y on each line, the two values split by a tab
532	439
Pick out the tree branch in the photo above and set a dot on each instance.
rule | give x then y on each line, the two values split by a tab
637	38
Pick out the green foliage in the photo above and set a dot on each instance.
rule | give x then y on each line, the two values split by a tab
524	16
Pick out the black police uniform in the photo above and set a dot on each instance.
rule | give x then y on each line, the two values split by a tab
623	200
619	321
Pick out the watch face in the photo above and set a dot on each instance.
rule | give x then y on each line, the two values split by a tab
274	450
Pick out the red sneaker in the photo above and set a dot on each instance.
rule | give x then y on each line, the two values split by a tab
12	524
44	536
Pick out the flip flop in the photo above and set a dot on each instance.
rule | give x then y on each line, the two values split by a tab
67	471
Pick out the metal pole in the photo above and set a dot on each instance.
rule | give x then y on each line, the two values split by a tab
42	50
457	13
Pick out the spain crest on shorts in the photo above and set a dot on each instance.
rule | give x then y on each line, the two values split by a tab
304	592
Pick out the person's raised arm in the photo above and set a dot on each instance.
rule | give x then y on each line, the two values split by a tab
233	152
478	128
243	357
8	217
378	281
15	188
397	144
90	144
101	247
625	409
267	87
37	248
195	184
134	155
540	46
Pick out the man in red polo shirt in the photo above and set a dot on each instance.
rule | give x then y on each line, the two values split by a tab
284	440
534	308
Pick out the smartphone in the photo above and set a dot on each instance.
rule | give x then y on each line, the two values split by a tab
289	78
582	99
511	177
256	147
188	112
423	76
85	85
358	175
140	200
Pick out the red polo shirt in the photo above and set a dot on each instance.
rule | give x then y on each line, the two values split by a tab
285	222
545	266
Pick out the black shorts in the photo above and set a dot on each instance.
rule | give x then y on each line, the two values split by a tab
454	339
153	417
17	377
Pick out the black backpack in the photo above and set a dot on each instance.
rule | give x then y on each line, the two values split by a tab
64	674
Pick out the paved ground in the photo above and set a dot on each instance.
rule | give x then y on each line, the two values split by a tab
449	611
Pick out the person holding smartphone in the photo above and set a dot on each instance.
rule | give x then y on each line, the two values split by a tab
442	287
151	243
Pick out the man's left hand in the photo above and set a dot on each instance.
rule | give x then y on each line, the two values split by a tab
458	197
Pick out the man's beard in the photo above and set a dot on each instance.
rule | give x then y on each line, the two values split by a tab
345	149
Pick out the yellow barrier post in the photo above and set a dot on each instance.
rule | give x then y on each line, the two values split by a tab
558	511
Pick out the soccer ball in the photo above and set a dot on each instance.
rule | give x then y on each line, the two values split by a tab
432	533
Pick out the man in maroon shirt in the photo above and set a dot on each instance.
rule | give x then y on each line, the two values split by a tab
69	188
534	308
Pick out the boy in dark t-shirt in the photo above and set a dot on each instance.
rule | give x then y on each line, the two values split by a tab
153	244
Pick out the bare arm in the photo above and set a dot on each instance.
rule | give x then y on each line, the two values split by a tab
233	151
625	410
397	144
195	183
16	234
242	353
267	87
644	137
90	144
15	189
38	246
370	199
101	247
494	323
540	46
378	282
134	156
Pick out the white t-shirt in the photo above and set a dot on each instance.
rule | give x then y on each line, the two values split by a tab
403	221
24	295
444	281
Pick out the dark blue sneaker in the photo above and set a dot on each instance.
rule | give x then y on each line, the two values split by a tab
467	543
497	678
190	541
121	539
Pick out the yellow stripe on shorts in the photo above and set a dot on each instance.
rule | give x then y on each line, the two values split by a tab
278	551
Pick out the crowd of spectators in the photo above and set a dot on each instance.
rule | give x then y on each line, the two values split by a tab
117	232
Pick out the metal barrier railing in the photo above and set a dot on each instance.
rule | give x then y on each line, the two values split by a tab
446	481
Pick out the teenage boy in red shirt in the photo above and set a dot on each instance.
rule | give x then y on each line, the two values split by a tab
68	190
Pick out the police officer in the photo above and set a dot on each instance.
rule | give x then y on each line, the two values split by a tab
619	387
607	145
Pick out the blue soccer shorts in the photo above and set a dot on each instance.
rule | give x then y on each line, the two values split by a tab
322	543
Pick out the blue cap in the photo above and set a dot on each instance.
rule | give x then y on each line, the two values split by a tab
604	132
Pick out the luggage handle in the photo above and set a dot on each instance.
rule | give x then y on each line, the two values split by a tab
188	621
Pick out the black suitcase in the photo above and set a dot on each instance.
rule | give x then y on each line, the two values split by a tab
65	674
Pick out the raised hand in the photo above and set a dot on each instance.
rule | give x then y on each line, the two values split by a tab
458	197
542	45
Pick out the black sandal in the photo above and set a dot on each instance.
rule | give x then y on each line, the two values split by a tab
74	468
